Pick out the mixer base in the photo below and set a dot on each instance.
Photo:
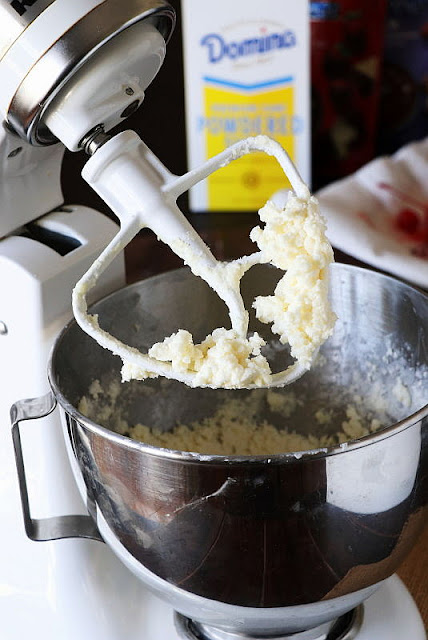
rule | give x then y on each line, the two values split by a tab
389	614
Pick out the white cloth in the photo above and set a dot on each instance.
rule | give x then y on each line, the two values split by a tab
360	212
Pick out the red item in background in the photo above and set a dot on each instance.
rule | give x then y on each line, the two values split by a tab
346	55
412	218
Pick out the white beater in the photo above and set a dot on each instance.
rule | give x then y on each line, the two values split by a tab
143	193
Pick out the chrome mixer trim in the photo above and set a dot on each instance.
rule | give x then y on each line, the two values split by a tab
346	627
94	140
70	52
352	632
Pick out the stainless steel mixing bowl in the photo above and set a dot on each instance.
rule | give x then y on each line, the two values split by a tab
263	544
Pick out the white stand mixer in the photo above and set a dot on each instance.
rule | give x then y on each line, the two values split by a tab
68	588
42	586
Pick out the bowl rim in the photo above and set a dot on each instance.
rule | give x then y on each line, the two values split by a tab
203	458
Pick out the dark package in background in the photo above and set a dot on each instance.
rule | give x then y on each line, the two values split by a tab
346	57
404	86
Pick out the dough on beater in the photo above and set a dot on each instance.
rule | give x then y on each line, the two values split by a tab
223	359
294	240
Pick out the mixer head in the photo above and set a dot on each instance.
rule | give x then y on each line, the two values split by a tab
45	44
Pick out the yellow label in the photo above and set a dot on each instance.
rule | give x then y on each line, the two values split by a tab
230	115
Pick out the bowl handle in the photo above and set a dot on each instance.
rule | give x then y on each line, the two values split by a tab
44	529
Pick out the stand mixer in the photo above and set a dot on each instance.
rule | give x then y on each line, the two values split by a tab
74	587
46	247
